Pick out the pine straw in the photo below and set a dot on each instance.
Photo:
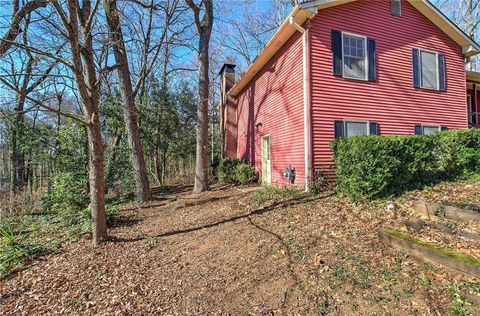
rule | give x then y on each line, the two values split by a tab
304	255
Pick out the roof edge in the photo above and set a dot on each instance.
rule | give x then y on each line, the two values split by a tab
469	46
281	36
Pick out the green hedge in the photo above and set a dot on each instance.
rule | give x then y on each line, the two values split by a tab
234	171
376	166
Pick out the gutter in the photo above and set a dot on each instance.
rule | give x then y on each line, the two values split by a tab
306	101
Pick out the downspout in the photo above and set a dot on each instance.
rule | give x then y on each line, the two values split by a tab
306	111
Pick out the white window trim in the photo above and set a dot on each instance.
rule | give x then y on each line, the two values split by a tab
355	121
399	5
366	56
420	50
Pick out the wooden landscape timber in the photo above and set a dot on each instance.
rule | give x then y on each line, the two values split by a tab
433	210
419	224
431	253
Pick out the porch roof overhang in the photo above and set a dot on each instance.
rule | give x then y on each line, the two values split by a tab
473	77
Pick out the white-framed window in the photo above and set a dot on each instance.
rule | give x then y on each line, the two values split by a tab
356	128
430	130
429	78
396	7
354	56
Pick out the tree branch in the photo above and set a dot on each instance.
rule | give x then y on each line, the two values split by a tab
17	18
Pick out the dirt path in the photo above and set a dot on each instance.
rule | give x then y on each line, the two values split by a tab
222	254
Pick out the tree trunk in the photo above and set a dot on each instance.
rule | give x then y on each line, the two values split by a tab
113	156
97	181
204	28
128	98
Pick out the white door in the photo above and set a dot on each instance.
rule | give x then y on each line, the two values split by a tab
266	161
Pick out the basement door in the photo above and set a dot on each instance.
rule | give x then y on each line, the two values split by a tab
266	162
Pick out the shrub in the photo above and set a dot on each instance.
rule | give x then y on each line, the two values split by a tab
234	171
67	193
375	166
226	170
244	173
459	152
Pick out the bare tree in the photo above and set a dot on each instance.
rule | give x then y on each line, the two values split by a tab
78	27
25	79
204	28
128	99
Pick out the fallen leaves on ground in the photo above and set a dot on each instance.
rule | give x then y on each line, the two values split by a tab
228	255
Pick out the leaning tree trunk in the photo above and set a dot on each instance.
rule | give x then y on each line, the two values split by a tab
204	28
128	99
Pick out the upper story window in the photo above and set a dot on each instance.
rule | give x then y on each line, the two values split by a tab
396	7
354	56
428	70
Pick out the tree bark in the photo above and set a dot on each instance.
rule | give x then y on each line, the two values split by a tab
113	156
128	99
204	28
97	181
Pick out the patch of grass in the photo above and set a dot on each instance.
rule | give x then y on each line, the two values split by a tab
459	305
150	243
342	274
28	235
275	194
458	256
423	280
14	250
363	279
389	278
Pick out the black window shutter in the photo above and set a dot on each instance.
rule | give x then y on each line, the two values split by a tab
442	75
443	128
372	60
337	52
374	128
416	67
418	130
339	129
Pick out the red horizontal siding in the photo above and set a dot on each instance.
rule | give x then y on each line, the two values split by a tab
392	101
272	104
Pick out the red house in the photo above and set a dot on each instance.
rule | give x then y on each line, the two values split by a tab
343	68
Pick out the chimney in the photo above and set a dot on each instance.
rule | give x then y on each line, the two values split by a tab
227	74
228	111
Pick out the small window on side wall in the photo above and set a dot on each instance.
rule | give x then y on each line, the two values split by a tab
396	7
428	129
355	128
